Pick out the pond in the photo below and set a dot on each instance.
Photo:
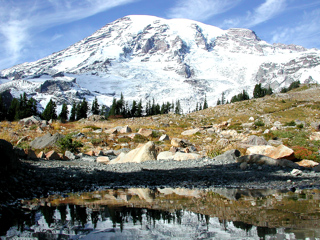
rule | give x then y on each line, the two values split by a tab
167	213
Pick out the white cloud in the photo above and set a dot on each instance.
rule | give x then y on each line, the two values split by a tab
20	20
264	12
305	33
200	9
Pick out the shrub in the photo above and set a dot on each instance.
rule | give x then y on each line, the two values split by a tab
259	123
300	126
305	153
139	139
67	143
156	134
96	141
292	123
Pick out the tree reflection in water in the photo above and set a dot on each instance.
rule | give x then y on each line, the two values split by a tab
201	213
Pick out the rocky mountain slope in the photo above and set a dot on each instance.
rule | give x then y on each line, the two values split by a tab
146	57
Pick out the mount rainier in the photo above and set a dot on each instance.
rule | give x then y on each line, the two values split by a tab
147	57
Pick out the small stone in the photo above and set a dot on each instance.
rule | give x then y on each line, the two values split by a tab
164	137
296	172
104	160
41	155
53	155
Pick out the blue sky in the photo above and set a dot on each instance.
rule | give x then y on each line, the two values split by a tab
32	29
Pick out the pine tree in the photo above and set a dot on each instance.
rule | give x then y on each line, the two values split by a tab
205	104
50	111
112	111
31	108
178	107
139	109
95	107
197	107
82	109
223	98
218	102
2	109
104	111
73	112
63	116
133	111
13	111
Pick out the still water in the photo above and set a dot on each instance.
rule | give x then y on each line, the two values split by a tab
165	213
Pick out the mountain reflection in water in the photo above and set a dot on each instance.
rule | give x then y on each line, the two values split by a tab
169	213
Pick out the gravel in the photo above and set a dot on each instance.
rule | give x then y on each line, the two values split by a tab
42	178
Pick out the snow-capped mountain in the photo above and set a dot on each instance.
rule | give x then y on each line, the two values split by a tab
147	57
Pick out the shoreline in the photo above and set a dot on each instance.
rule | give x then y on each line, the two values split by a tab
42	178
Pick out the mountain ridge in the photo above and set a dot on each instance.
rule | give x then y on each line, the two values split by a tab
147	57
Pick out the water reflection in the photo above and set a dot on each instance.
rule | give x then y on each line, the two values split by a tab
169	213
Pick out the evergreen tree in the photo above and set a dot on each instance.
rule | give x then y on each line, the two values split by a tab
104	111
178	107
269	91
139	109
205	104
13	110
73	112
82	109
134	109
50	111
31	109
218	102
197	107
112	111
95	107
63	116
223	98
2	109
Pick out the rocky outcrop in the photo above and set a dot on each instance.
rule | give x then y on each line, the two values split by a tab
191	132
145	153
279	152
46	141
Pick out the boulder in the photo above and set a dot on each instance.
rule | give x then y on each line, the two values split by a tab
125	129
90	153
41	155
45	141
165	155
180	156
230	156
315	125
145	153
191	132
31	120
315	136
262	150
177	142
255	141
111	131
30	154
307	163
282	152
296	172
53	155
104	160
258	159
145	132
9	159
164	137
70	155
96	118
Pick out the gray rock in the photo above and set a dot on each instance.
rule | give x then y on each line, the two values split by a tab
275	143
255	141
30	120
315	125
9	160
109	153
230	156
164	137
45	141
70	155
122	150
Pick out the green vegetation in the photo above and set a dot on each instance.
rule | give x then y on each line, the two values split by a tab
293	85
67	143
